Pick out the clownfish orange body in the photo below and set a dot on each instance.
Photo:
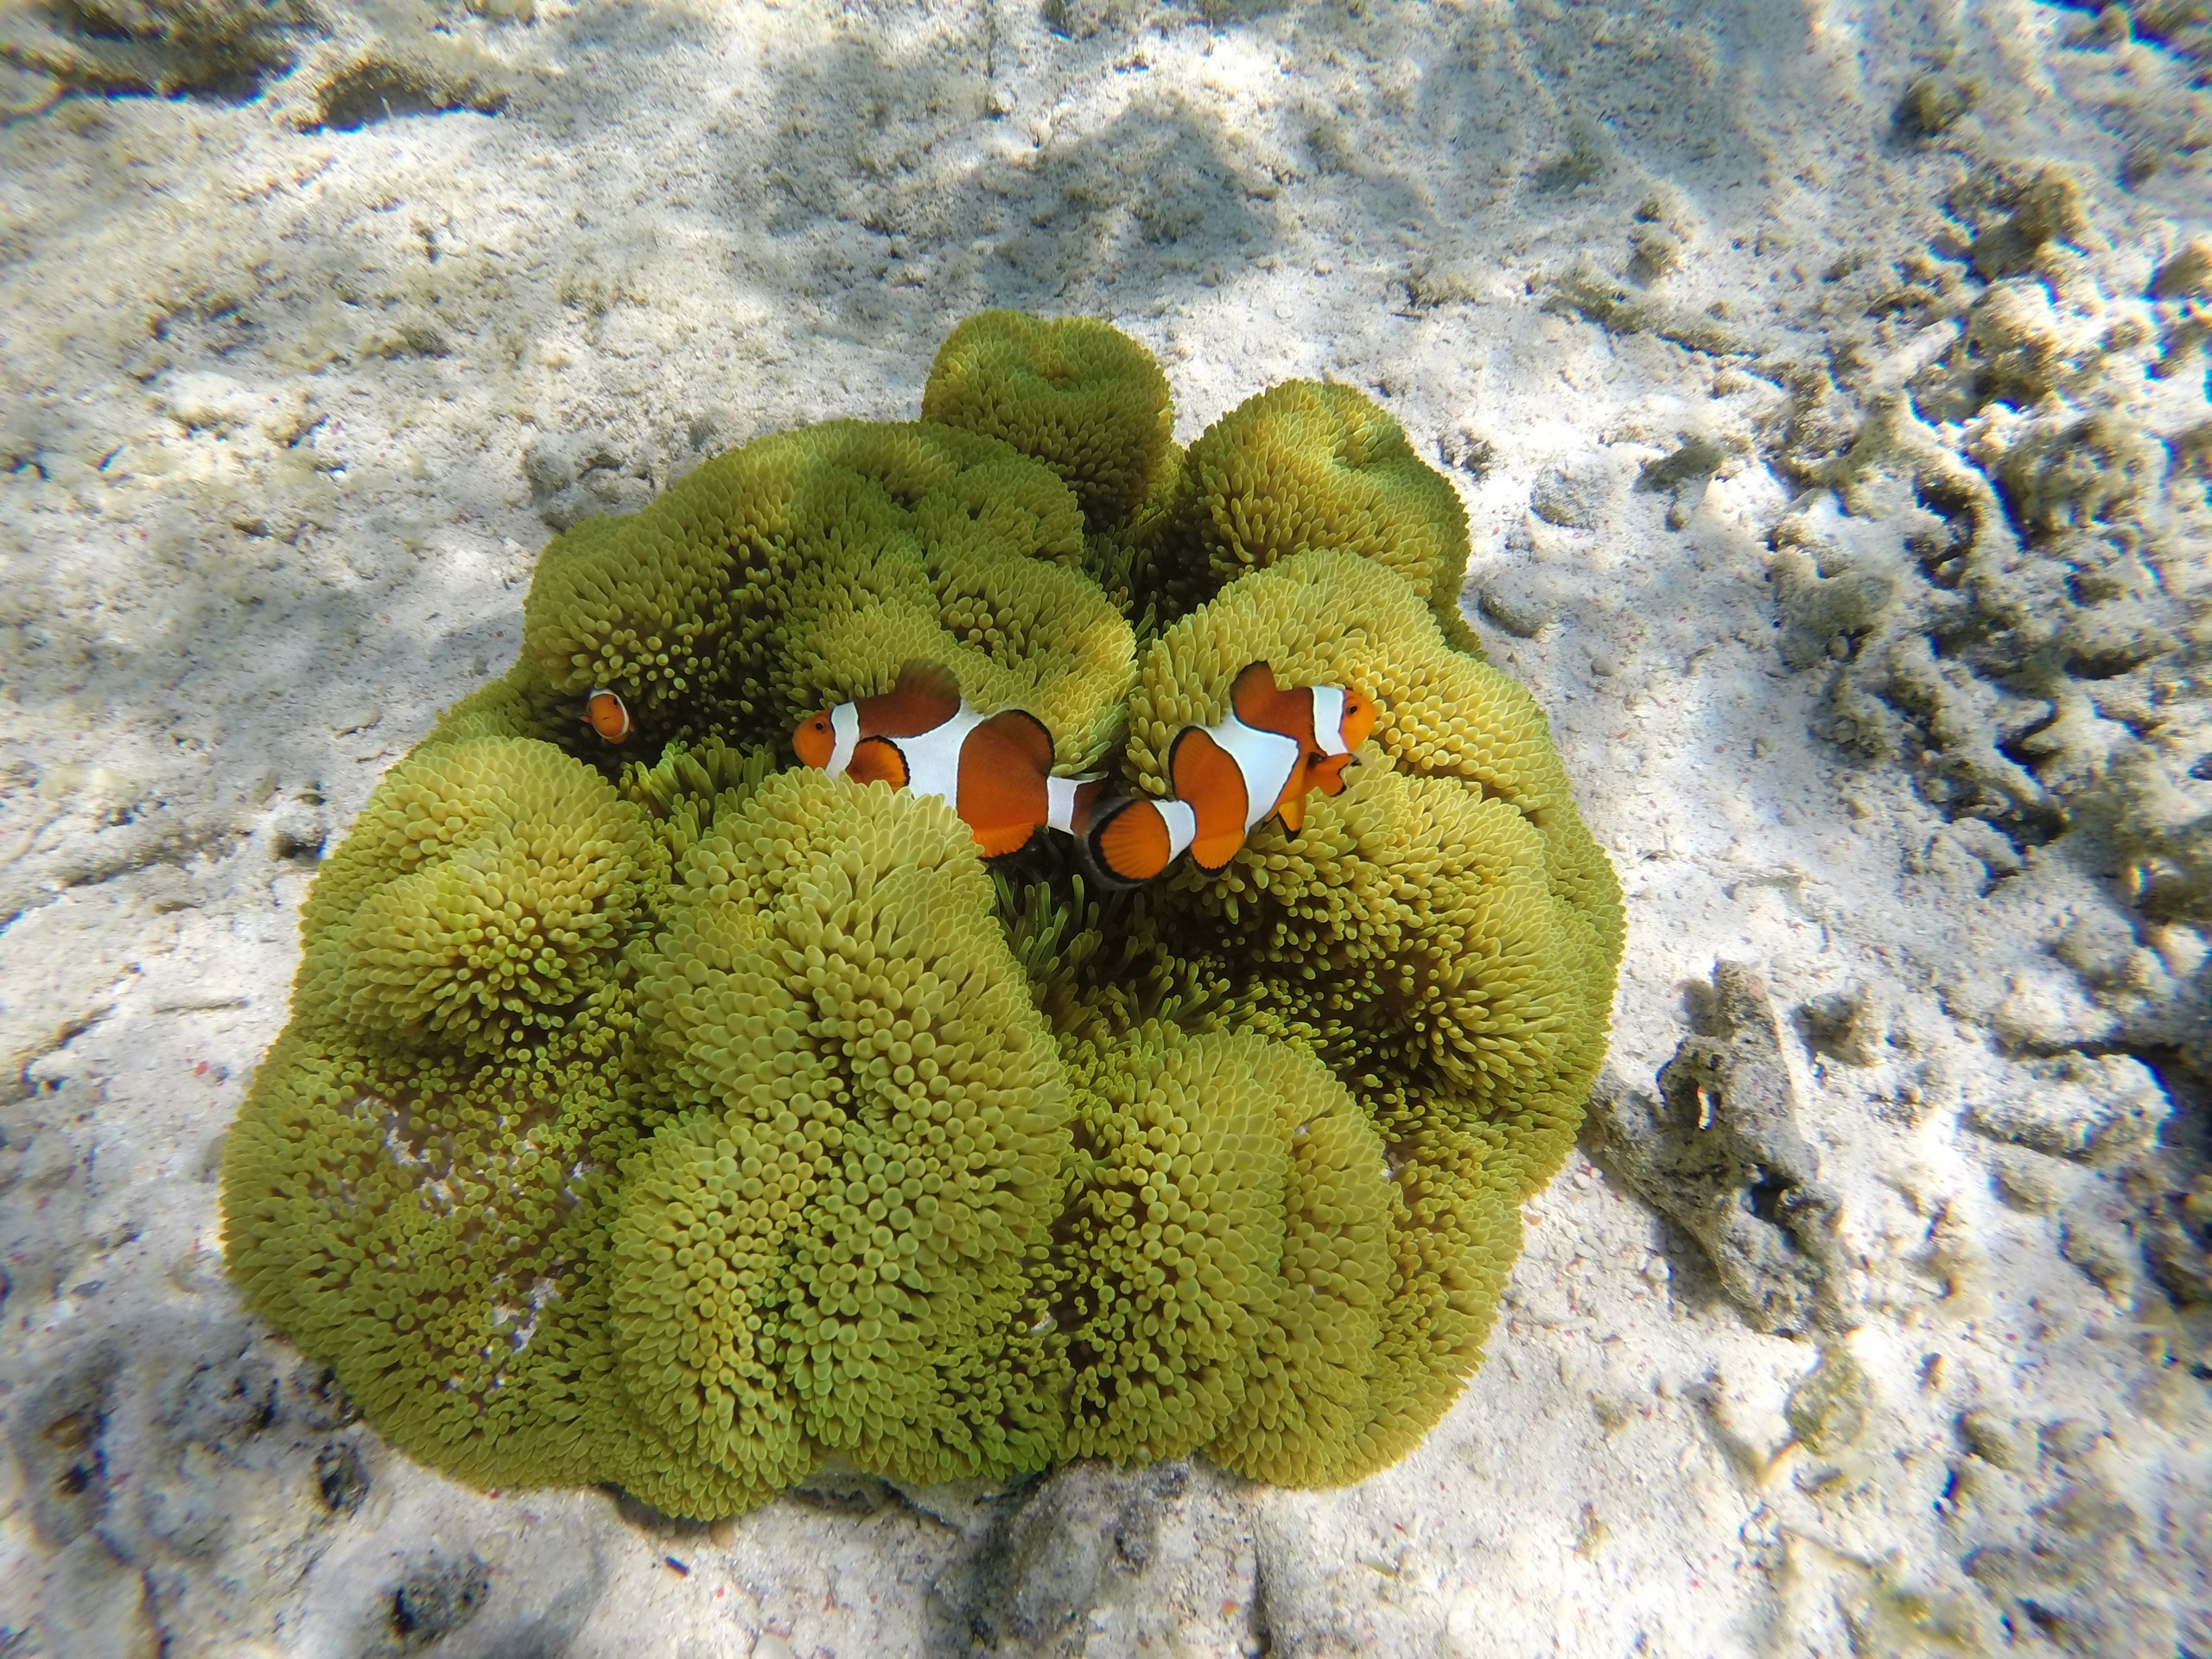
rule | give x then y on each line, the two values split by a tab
606	714
994	770
1229	779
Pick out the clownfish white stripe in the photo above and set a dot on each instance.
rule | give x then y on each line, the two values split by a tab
1182	820
1265	758
845	725
933	757
1329	719
1066	799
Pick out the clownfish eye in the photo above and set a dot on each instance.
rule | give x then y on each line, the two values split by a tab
814	739
1359	716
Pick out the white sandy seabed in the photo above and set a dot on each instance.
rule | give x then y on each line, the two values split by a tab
302	355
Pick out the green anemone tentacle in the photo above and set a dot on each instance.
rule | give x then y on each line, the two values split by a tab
667	1115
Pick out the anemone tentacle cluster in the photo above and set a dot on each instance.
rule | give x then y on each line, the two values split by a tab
671	1115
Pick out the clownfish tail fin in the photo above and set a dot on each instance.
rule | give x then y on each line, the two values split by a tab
1125	843
1093	873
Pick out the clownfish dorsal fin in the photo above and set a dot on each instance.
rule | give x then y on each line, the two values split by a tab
925	697
1025	733
1253	696
1257	701
877	760
931	687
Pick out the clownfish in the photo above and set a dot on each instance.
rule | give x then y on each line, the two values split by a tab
994	770
1230	778
606	714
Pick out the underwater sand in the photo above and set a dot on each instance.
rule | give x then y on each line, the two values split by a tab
300	360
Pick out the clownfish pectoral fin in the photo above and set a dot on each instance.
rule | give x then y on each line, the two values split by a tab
877	759
1326	771
1128	842
925	697
1025	733
1210	782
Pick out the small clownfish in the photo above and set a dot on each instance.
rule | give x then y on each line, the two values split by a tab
606	714
994	770
1230	778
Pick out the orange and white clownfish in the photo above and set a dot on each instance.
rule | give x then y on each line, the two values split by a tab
1230	778
994	770
606	714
